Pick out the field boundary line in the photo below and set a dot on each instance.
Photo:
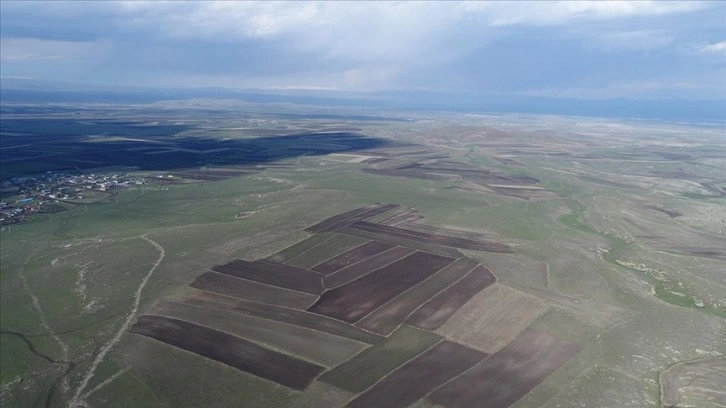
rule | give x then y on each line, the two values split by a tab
362	276
335	256
77	400
307	250
295	310
406	291
263	318
276	349
261	283
408	243
460	374
398	367
404	233
436	294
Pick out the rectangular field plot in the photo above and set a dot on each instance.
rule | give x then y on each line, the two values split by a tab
365	267
335	246
302	246
349	217
356	299
419	376
229	350
372	364
244	289
453	242
509	374
404	242
492	318
389	316
282	314
351	257
273	273
311	345
440	308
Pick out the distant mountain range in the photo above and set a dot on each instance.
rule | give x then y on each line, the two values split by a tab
28	90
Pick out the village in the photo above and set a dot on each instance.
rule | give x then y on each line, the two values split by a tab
48	192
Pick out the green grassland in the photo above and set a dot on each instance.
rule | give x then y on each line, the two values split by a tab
617	279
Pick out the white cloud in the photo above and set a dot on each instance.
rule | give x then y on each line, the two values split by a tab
33	49
560	12
370	45
718	48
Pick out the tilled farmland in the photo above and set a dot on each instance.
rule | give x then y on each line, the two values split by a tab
373	309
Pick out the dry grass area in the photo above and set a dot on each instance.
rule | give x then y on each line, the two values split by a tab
493	318
695	383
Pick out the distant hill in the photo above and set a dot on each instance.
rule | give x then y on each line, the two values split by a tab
26	90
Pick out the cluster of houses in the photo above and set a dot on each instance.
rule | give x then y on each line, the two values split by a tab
30	193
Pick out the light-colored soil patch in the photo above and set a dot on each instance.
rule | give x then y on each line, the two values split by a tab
348	158
493	318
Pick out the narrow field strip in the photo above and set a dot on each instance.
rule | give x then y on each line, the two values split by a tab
356	299
351	257
366	266
230	350
273	273
372	364
301	318
436	239
432	314
246	289
350	217
418	377
388	317
301	247
300	342
508	374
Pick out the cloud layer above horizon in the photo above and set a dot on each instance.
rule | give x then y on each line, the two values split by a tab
604	49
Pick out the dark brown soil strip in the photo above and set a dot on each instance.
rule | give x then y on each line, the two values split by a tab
373	363
509	374
441	307
406	217
670	213
274	273
244	289
365	267
356	299
229	350
418	377
420	245
389	316
432	238
350	217
605	182
327	223
351	257
285	315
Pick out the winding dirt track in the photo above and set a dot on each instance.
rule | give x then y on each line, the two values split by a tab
77	401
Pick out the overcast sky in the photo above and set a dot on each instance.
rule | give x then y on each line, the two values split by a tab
598	49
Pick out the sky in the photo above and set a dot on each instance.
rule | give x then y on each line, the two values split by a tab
590	50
